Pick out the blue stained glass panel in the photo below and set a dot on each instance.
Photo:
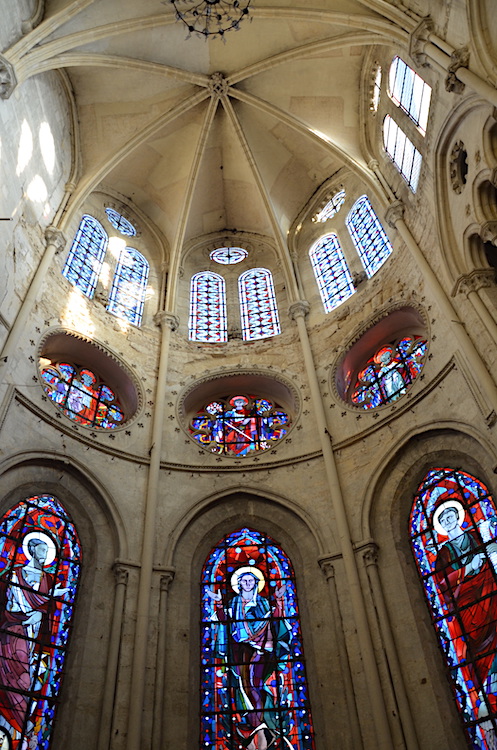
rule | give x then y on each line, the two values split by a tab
127	296
120	223
208	308
259	312
253	690
368	235
453	529
85	258
39	576
331	272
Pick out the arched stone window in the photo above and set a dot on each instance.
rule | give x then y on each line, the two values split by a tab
368	235
208	308
40	563
402	152
259	312
253	682
408	91
85	258
453	528
127	296
331	272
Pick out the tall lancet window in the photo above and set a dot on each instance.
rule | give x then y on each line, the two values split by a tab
402	152
259	312
253	684
85	258
368	236
453	528
331	272
208	308
409	92
127	295
40	562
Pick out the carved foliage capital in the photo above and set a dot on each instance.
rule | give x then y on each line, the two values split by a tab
480	278
370	554
165	318
327	568
394	213
299	309
459	59
55	237
8	80
419	38
488	232
166	579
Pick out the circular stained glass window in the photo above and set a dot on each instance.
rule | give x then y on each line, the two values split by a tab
332	207
239	424
81	395
120	223
228	256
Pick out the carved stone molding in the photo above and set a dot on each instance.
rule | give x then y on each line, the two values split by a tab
488	232
166	579
458	167
54	236
480	278
459	59
31	23
370	554
165	318
299	309
8	80
327	567
373	165
394	213
218	86
419	39
120	574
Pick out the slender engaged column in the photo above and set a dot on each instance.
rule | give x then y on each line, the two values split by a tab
121	578
470	285
168	323
55	243
370	558
355	732
298	312
165	581
482	378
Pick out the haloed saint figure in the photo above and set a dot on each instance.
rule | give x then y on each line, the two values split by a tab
254	692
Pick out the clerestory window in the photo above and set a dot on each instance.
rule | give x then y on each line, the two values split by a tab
368	235
402	152
127	296
259	312
408	91
331	272
208	308
86	256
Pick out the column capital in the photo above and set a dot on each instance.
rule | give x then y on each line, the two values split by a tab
165	318
373	165
55	237
419	39
299	309
8	80
394	213
327	567
370	554
459	59
120	574
488	232
166	579
479	278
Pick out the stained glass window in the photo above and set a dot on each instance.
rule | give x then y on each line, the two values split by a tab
238	425
208	308
253	682
331	271
81	395
40	562
127	295
331	208
85	258
388	374
453	528
120	223
368	236
402	152
409	92
259	312
228	256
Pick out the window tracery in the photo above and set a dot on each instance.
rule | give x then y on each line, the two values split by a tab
331	271
368	235
208	308
86	256
238	425
127	296
119	222
453	528
259	312
228	256
253	681
40	564
331	208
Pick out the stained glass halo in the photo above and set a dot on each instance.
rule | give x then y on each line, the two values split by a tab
228	256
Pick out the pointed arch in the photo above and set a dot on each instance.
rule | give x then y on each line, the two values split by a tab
453	529
368	235
208	308
40	565
85	258
331	272
258	309
253	682
127	296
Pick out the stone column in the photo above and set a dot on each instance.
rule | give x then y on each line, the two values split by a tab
55	243
426	46
370	558
121	579
298	312
328	570
482	378
168	323
470	285
165	581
